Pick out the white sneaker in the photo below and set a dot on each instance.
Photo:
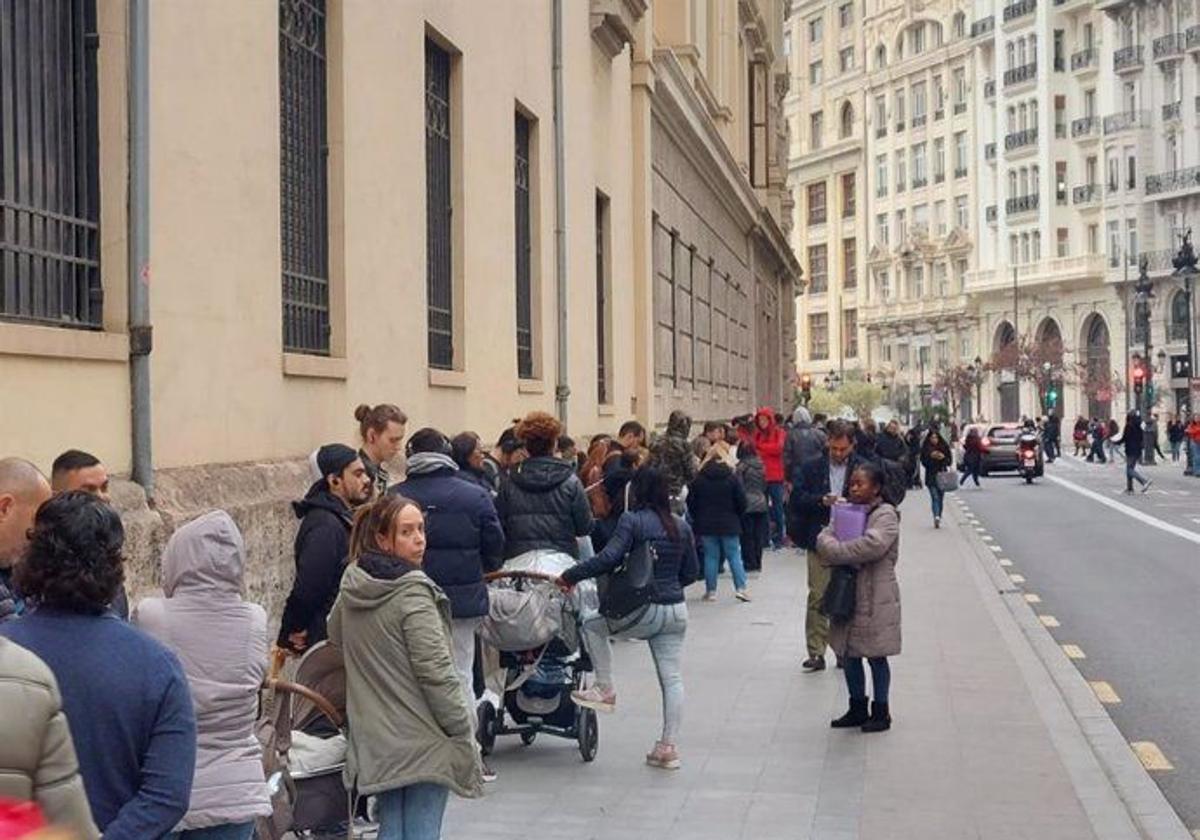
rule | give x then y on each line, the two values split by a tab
742	595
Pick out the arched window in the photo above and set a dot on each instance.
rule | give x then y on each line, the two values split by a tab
847	120
960	25
880	57
1177	328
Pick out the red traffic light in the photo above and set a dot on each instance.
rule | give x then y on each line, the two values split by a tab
1138	374
806	382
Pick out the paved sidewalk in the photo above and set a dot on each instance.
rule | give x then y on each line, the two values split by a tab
970	755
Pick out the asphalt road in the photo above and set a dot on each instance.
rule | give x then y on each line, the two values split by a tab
1123	590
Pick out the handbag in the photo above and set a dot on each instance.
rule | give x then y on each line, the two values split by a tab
840	598
627	589
947	481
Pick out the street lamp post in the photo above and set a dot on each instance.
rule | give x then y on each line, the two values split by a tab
1144	294
1185	267
977	370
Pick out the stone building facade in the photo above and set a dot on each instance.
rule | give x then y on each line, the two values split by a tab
356	202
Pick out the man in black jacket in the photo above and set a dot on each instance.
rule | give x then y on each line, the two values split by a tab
322	544
822	481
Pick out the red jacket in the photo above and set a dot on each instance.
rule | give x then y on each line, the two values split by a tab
1193	431
769	443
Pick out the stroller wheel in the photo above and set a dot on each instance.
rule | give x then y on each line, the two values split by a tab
589	733
528	736
485	731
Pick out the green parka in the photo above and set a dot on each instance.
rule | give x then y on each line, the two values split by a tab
408	719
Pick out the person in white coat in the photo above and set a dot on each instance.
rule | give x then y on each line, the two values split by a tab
221	641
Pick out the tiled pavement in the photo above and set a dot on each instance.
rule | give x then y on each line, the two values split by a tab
971	754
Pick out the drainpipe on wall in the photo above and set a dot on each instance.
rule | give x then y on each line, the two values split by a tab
140	330
562	389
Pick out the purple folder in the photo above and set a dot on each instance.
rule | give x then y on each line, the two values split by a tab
849	521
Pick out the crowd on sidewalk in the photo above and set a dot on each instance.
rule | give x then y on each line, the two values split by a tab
143	722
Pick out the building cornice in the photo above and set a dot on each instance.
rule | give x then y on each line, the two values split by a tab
614	23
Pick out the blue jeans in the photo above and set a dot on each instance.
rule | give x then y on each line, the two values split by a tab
1195	445
228	831
856	678
936	495
1175	445
413	812
731	549
778	518
664	627
1131	472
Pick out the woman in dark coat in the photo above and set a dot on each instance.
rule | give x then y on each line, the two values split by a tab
716	502
936	458
1133	440
542	503
972	457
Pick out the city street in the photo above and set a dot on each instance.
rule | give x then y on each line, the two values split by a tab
983	745
1115	576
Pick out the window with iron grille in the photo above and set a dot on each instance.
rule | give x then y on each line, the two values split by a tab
303	180
439	258
849	263
49	170
818	336
850	333
603	315
523	249
816	203
818	268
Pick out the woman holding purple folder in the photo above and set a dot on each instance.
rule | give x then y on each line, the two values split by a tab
873	632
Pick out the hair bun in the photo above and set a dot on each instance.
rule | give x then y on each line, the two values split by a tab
362	412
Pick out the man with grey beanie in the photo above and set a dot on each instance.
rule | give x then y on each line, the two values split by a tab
804	442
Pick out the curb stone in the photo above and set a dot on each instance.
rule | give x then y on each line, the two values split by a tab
1120	798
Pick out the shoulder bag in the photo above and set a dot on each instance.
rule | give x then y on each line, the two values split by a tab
840	598
626	591
947	481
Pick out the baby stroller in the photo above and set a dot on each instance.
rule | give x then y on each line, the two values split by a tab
301	727
536	630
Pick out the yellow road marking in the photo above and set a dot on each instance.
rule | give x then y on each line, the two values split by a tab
1017	578
1074	652
1030	598
1049	620
1151	756
1104	691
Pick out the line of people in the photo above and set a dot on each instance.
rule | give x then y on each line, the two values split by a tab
147	727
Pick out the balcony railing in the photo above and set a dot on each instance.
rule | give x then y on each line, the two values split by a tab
1088	59
1179	179
1060	130
880	131
989	89
1085	126
899	125
1019	9
990	213
1017	75
1172	111
989	152
939	177
960	108
1021	204
1020	139
939	113
918	121
881	191
917	183
1159	260
983	26
960	172
1168	46
1126	120
1086	194
1128	58
1191	38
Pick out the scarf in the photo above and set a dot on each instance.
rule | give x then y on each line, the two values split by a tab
421	463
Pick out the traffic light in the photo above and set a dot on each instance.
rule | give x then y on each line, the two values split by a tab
1052	397
1139	378
806	387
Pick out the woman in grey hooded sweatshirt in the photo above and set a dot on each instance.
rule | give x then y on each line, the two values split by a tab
222	643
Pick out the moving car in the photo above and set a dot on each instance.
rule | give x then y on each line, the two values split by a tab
1000	449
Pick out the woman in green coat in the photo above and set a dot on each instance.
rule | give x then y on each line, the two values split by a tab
411	734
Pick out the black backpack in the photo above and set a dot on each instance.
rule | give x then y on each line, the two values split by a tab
626	591
895	483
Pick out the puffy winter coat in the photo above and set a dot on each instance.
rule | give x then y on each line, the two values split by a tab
408	719
675	562
770	442
804	443
221	641
875	628
542	504
671	454
716	501
322	544
463	537
37	757
752	475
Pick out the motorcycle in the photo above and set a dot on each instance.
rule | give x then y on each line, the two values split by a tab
1027	456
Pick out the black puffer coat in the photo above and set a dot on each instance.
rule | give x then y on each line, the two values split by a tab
322	545
716	501
542	504
463	538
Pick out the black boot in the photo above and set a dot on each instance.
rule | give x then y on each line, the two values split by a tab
880	721
856	716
